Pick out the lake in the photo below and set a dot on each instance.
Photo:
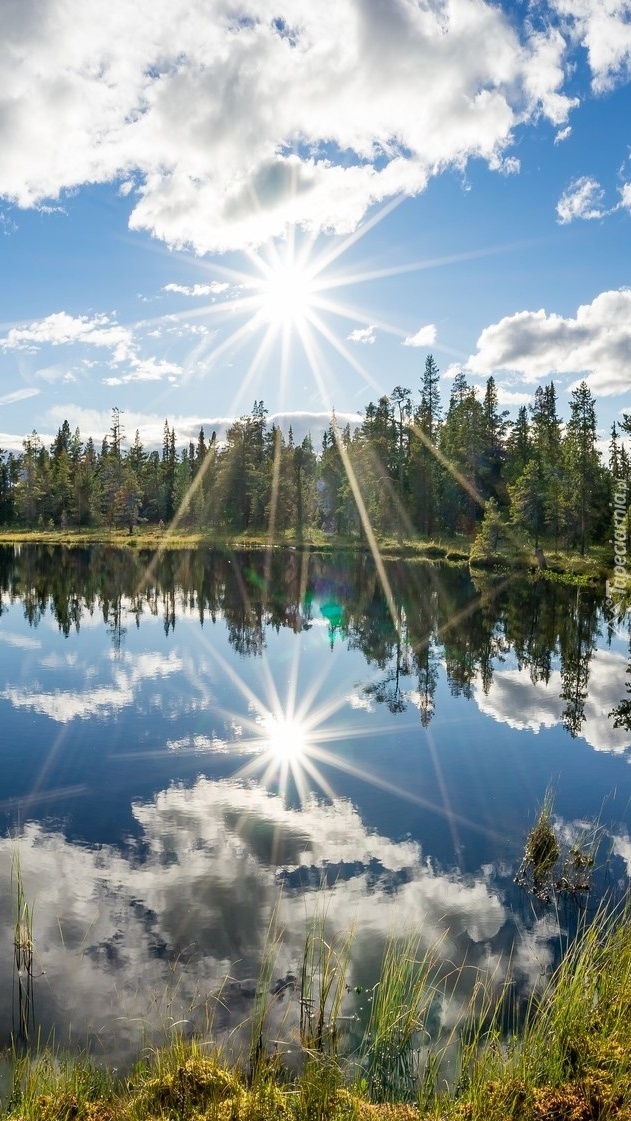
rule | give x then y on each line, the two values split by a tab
193	744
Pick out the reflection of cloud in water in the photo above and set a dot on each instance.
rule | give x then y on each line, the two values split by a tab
358	701
64	705
20	641
514	699
128	941
58	661
198	745
621	846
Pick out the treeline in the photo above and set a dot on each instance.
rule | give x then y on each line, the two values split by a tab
408	469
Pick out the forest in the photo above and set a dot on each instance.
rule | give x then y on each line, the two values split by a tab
410	469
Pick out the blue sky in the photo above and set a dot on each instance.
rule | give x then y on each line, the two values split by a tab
209	203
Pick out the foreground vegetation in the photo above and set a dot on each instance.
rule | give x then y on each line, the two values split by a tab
564	1055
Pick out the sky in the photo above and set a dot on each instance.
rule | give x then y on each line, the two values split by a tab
210	203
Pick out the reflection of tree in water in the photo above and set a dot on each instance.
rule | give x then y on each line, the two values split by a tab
577	642
388	689
432	614
114	615
621	714
427	665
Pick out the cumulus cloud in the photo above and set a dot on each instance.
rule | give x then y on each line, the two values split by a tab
363	335
582	199
93	700
537	344
510	396
603	28
222	130
58	372
425	336
60	328
102	331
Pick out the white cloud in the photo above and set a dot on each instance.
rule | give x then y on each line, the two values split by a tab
511	397
9	442
596	343
21	641
625	196
213	289
96	422
603	28
363	335
220	131
582	199
563	134
60	328
147	369
57	372
425	336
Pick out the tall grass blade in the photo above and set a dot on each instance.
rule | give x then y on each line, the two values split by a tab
23	957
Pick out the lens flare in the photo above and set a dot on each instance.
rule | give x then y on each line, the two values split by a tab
284	737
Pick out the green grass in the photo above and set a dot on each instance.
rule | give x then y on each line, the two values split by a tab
572	567
566	1058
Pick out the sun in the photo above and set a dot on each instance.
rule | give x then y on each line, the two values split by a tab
287	294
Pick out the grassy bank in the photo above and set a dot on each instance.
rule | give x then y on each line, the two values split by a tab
594	566
568	1060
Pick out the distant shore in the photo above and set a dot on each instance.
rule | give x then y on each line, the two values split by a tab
593	567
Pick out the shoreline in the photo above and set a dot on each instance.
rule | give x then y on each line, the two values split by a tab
593	568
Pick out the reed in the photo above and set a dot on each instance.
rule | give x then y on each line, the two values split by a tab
23	956
402	1002
565	1056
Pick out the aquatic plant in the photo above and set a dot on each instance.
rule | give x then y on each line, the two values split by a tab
23	956
547	867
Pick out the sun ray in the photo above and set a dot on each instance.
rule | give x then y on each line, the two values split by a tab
346	311
342	350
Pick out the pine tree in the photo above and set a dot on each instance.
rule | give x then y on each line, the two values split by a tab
402	409
584	494
463	443
495	429
518	446
425	470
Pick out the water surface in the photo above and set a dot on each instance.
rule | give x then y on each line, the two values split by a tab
194	742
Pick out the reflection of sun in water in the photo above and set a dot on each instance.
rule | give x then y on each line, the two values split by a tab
286	737
293	738
286	748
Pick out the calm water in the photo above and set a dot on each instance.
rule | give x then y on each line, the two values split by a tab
189	742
